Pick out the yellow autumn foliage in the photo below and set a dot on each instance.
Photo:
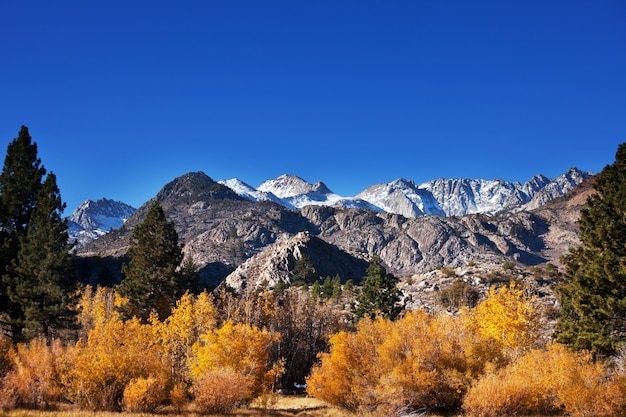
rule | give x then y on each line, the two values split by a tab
509	318
143	394
192	316
241	348
549	381
114	353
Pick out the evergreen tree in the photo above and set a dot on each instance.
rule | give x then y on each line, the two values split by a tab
379	294
152	279
593	294
189	276
20	182
41	275
304	271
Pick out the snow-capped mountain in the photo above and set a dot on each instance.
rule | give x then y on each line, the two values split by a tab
441	197
249	192
293	191
94	218
401	197
556	188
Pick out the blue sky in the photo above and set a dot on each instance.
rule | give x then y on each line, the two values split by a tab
124	96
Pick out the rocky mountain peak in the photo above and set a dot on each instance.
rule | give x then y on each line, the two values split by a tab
94	218
192	186
286	186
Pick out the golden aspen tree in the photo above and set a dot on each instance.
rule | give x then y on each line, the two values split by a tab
509	318
191	317
241	348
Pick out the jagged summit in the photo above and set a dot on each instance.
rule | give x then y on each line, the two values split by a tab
94	218
403	197
247	191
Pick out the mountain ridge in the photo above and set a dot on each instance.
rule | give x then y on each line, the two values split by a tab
441	197
222	230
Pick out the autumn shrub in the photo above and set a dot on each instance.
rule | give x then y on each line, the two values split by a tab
143	395
220	390
114	353
348	375
179	397
548	381
34	380
418	362
242	348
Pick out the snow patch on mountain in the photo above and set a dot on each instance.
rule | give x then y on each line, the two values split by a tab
94	218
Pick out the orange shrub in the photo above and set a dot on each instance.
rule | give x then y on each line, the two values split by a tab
34	381
548	381
347	376
419	361
114	353
220	391
143	395
179	397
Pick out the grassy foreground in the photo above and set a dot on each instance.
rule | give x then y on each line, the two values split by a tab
285	406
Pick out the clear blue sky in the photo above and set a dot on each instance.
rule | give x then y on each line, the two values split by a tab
124	96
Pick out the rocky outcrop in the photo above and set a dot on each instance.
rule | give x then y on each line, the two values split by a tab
276	263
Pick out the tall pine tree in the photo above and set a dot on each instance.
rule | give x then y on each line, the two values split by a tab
20	182
593	295
379	294
40	276
152	276
35	265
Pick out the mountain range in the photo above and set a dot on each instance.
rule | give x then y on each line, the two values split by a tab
234	233
441	197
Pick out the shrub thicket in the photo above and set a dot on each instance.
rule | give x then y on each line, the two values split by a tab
546	382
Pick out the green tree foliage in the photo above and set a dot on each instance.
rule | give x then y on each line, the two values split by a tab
304	271
33	238
152	278
379	294
40	278
593	295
